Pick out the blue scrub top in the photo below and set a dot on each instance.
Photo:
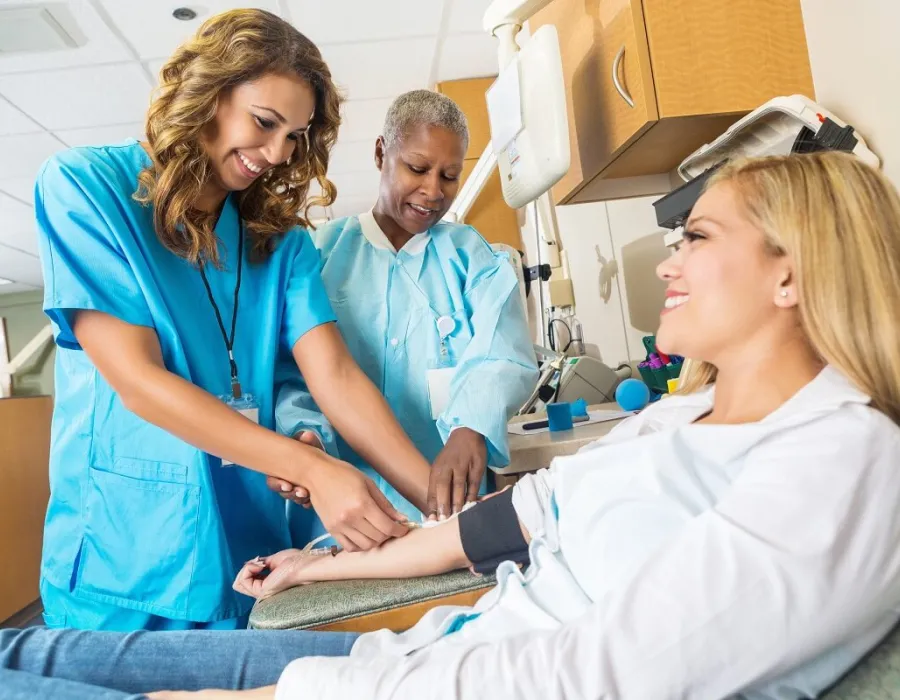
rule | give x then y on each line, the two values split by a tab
388	305
137	517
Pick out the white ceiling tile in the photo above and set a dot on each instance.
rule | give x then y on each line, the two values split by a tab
20	267
352	157
468	56
154	67
23	155
150	28
12	121
16	287
466	16
363	119
381	69
351	21
22	188
17	225
95	96
101	135
96	43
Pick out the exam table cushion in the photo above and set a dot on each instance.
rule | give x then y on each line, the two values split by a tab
328	603
876	677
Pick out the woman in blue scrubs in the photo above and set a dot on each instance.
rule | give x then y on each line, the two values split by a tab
429	311
181	290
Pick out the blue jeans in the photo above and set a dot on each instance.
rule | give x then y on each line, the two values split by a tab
81	665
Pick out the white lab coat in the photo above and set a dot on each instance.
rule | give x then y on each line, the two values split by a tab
672	560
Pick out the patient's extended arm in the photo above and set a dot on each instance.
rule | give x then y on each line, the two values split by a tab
424	552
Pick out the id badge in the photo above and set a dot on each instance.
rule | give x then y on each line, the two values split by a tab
439	389
246	406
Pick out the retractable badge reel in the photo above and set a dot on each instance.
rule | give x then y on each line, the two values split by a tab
440	377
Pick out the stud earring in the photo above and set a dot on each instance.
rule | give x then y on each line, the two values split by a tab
784	292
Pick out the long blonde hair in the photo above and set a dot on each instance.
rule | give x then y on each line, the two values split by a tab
229	49
839	220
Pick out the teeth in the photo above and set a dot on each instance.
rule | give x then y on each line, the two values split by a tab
673	302
422	210
250	166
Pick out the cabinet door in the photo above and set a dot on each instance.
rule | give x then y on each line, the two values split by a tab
470	95
600	39
714	57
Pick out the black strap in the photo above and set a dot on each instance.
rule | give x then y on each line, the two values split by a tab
490	534
229	340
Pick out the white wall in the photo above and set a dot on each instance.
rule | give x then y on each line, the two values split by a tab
854	53
625	231
855	58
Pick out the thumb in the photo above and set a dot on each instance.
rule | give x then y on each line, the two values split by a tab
382	502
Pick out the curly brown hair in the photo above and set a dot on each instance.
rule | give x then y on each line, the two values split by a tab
230	49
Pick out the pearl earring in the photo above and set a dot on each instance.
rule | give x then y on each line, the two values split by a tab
784	292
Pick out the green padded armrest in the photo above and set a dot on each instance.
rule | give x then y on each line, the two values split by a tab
876	677
334	601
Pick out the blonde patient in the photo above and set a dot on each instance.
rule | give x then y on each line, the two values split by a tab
740	538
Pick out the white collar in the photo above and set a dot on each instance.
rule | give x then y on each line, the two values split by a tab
829	390
373	233
825	392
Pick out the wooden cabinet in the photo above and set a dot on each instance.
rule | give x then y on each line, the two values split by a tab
649	81
24	490
490	215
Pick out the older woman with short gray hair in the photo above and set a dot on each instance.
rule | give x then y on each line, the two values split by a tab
430	312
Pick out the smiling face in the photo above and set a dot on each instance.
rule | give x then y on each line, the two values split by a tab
726	287
258	125
420	177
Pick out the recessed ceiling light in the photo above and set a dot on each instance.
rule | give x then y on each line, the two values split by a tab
185	14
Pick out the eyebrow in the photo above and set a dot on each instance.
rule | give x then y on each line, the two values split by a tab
281	119
696	219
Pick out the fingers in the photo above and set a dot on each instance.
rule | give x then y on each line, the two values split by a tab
346	544
280	577
300	496
279	485
459	490
248	580
431	505
287	490
474	484
443	493
387	519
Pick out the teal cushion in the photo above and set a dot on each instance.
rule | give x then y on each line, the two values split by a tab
333	601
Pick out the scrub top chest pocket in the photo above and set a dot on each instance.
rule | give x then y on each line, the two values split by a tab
452	333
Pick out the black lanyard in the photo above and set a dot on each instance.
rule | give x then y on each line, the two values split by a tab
229	341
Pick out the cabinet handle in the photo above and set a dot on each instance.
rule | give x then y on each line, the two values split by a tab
623	93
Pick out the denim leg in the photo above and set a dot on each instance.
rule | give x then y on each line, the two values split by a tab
18	685
142	662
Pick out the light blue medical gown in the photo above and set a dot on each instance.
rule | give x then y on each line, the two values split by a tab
138	518
387	306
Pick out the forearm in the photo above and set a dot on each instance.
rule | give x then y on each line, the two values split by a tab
362	417
423	552
192	414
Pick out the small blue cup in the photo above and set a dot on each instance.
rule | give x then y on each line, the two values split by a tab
559	417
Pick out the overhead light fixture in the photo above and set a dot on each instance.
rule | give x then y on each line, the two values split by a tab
185	14
3	281
32	29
